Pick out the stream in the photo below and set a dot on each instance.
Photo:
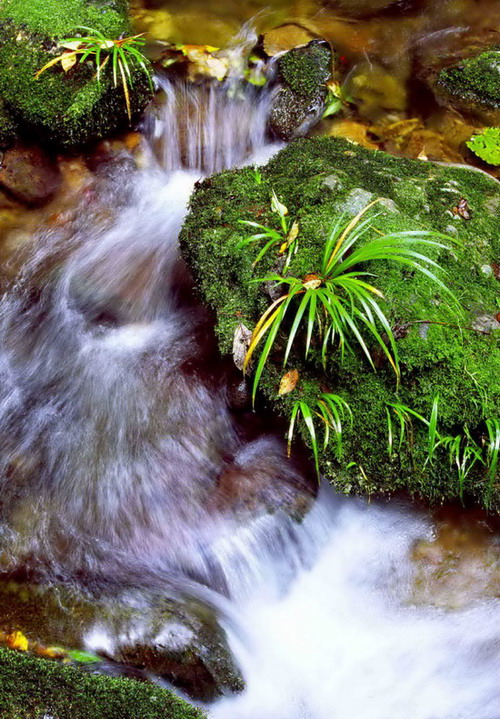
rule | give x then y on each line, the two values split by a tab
117	427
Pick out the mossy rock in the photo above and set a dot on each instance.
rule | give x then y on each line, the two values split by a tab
302	73
474	85
34	688
317	179
71	108
180	640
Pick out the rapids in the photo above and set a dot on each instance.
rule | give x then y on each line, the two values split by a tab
115	426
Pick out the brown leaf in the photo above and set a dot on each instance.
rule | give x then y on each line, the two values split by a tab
288	382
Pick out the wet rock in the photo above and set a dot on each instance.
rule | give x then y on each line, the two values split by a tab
299	103
363	8
29	174
286	37
318	179
69	108
179	640
473	85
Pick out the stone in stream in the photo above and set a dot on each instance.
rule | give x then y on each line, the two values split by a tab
68	108
473	85
29	174
302	76
180	641
442	352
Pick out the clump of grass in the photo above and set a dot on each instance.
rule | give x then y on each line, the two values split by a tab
464	452
286	238
338	303
331	410
119	55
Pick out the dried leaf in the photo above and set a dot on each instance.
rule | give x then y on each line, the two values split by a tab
75	45
288	382
51	652
241	343
312	282
278	206
17	640
68	60
292	236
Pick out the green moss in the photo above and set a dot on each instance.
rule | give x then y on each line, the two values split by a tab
8	127
67	108
33	688
317	179
306	69
475	80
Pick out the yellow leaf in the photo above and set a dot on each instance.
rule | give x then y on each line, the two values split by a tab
75	45
288	382
17	640
312	282
68	60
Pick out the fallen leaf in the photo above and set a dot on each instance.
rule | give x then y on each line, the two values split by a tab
68	60
241	343
17	640
288	382
462	209
292	236
312	282
51	652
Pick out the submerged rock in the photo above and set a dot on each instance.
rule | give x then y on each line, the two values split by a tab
29	174
441	352
473	85
180	641
69	108
299	103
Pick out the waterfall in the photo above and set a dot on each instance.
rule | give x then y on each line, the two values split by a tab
115	430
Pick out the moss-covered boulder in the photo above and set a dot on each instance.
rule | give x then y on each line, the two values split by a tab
68	108
34	688
181	641
302	74
441	352
473	85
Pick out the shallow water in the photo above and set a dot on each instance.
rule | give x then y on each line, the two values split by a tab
119	443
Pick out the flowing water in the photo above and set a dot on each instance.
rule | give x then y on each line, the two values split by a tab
117	437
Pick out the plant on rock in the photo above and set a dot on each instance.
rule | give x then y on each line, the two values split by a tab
463	450
337	306
337	300
331	410
120	55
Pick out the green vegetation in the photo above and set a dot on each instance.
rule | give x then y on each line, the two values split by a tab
123	53
69	108
475	81
331	410
337	300
440	350
31	687
486	145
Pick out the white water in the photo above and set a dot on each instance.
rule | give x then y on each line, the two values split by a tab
343	639
123	449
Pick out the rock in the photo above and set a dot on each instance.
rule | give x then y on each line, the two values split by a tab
318	179
66	108
32	687
473	85
181	640
365	8
286	37
29	174
299	103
